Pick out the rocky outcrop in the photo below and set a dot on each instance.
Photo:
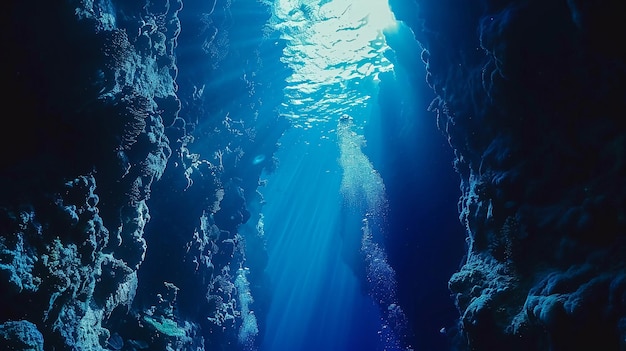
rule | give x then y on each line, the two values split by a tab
73	203
529	100
124	163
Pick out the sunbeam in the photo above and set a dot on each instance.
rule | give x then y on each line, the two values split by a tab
336	51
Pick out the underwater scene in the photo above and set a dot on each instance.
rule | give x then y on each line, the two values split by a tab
313	175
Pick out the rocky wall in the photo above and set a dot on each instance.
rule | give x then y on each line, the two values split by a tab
122	184
530	96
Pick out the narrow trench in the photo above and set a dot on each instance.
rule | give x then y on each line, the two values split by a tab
332	287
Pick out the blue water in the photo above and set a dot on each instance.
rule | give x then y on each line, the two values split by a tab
318	303
332	287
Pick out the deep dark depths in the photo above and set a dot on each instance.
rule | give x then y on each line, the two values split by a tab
142	137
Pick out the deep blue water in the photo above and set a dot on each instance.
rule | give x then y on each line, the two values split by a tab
317	301
330	224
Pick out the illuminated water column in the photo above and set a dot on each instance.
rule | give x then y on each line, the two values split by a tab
325	201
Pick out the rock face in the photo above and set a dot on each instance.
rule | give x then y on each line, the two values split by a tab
529	96
113	163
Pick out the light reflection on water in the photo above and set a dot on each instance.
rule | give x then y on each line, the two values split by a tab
336	50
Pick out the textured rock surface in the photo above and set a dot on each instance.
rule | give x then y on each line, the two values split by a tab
529	99
74	200
21	335
121	164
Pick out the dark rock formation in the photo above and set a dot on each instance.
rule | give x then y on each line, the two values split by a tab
529	95
21	335
115	164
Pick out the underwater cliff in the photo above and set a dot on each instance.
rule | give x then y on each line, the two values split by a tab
313	175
